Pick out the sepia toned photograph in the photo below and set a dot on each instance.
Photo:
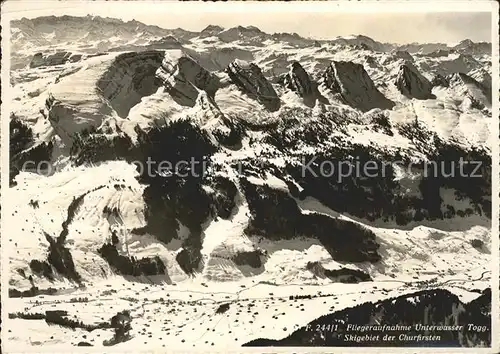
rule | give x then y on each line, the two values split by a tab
249	177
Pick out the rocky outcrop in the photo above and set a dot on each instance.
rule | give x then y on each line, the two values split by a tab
482	76
60	257
475	94
59	58
183	77
352	83
434	307
130	77
412	84
249	79
210	118
208	109
298	80
439	80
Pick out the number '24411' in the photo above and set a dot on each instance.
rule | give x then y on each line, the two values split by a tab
322	327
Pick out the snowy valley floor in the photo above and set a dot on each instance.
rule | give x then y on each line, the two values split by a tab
184	315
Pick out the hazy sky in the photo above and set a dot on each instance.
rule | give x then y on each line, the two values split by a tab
396	22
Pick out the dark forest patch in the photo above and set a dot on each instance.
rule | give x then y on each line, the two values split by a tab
130	265
275	215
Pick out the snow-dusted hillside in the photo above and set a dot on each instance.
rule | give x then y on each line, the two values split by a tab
250	212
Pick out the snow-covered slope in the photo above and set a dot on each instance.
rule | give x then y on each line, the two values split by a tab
232	156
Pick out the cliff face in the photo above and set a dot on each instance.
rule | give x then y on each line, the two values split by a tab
249	79
109	83
299	81
428	308
130	77
353	84
183	77
412	84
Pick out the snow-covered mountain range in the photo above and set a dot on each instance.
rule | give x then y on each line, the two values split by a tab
257	219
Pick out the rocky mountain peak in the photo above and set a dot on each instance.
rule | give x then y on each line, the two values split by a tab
362	42
252	29
211	30
466	42
462	79
467	46
298	80
354	86
249	78
412	84
477	94
183	77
